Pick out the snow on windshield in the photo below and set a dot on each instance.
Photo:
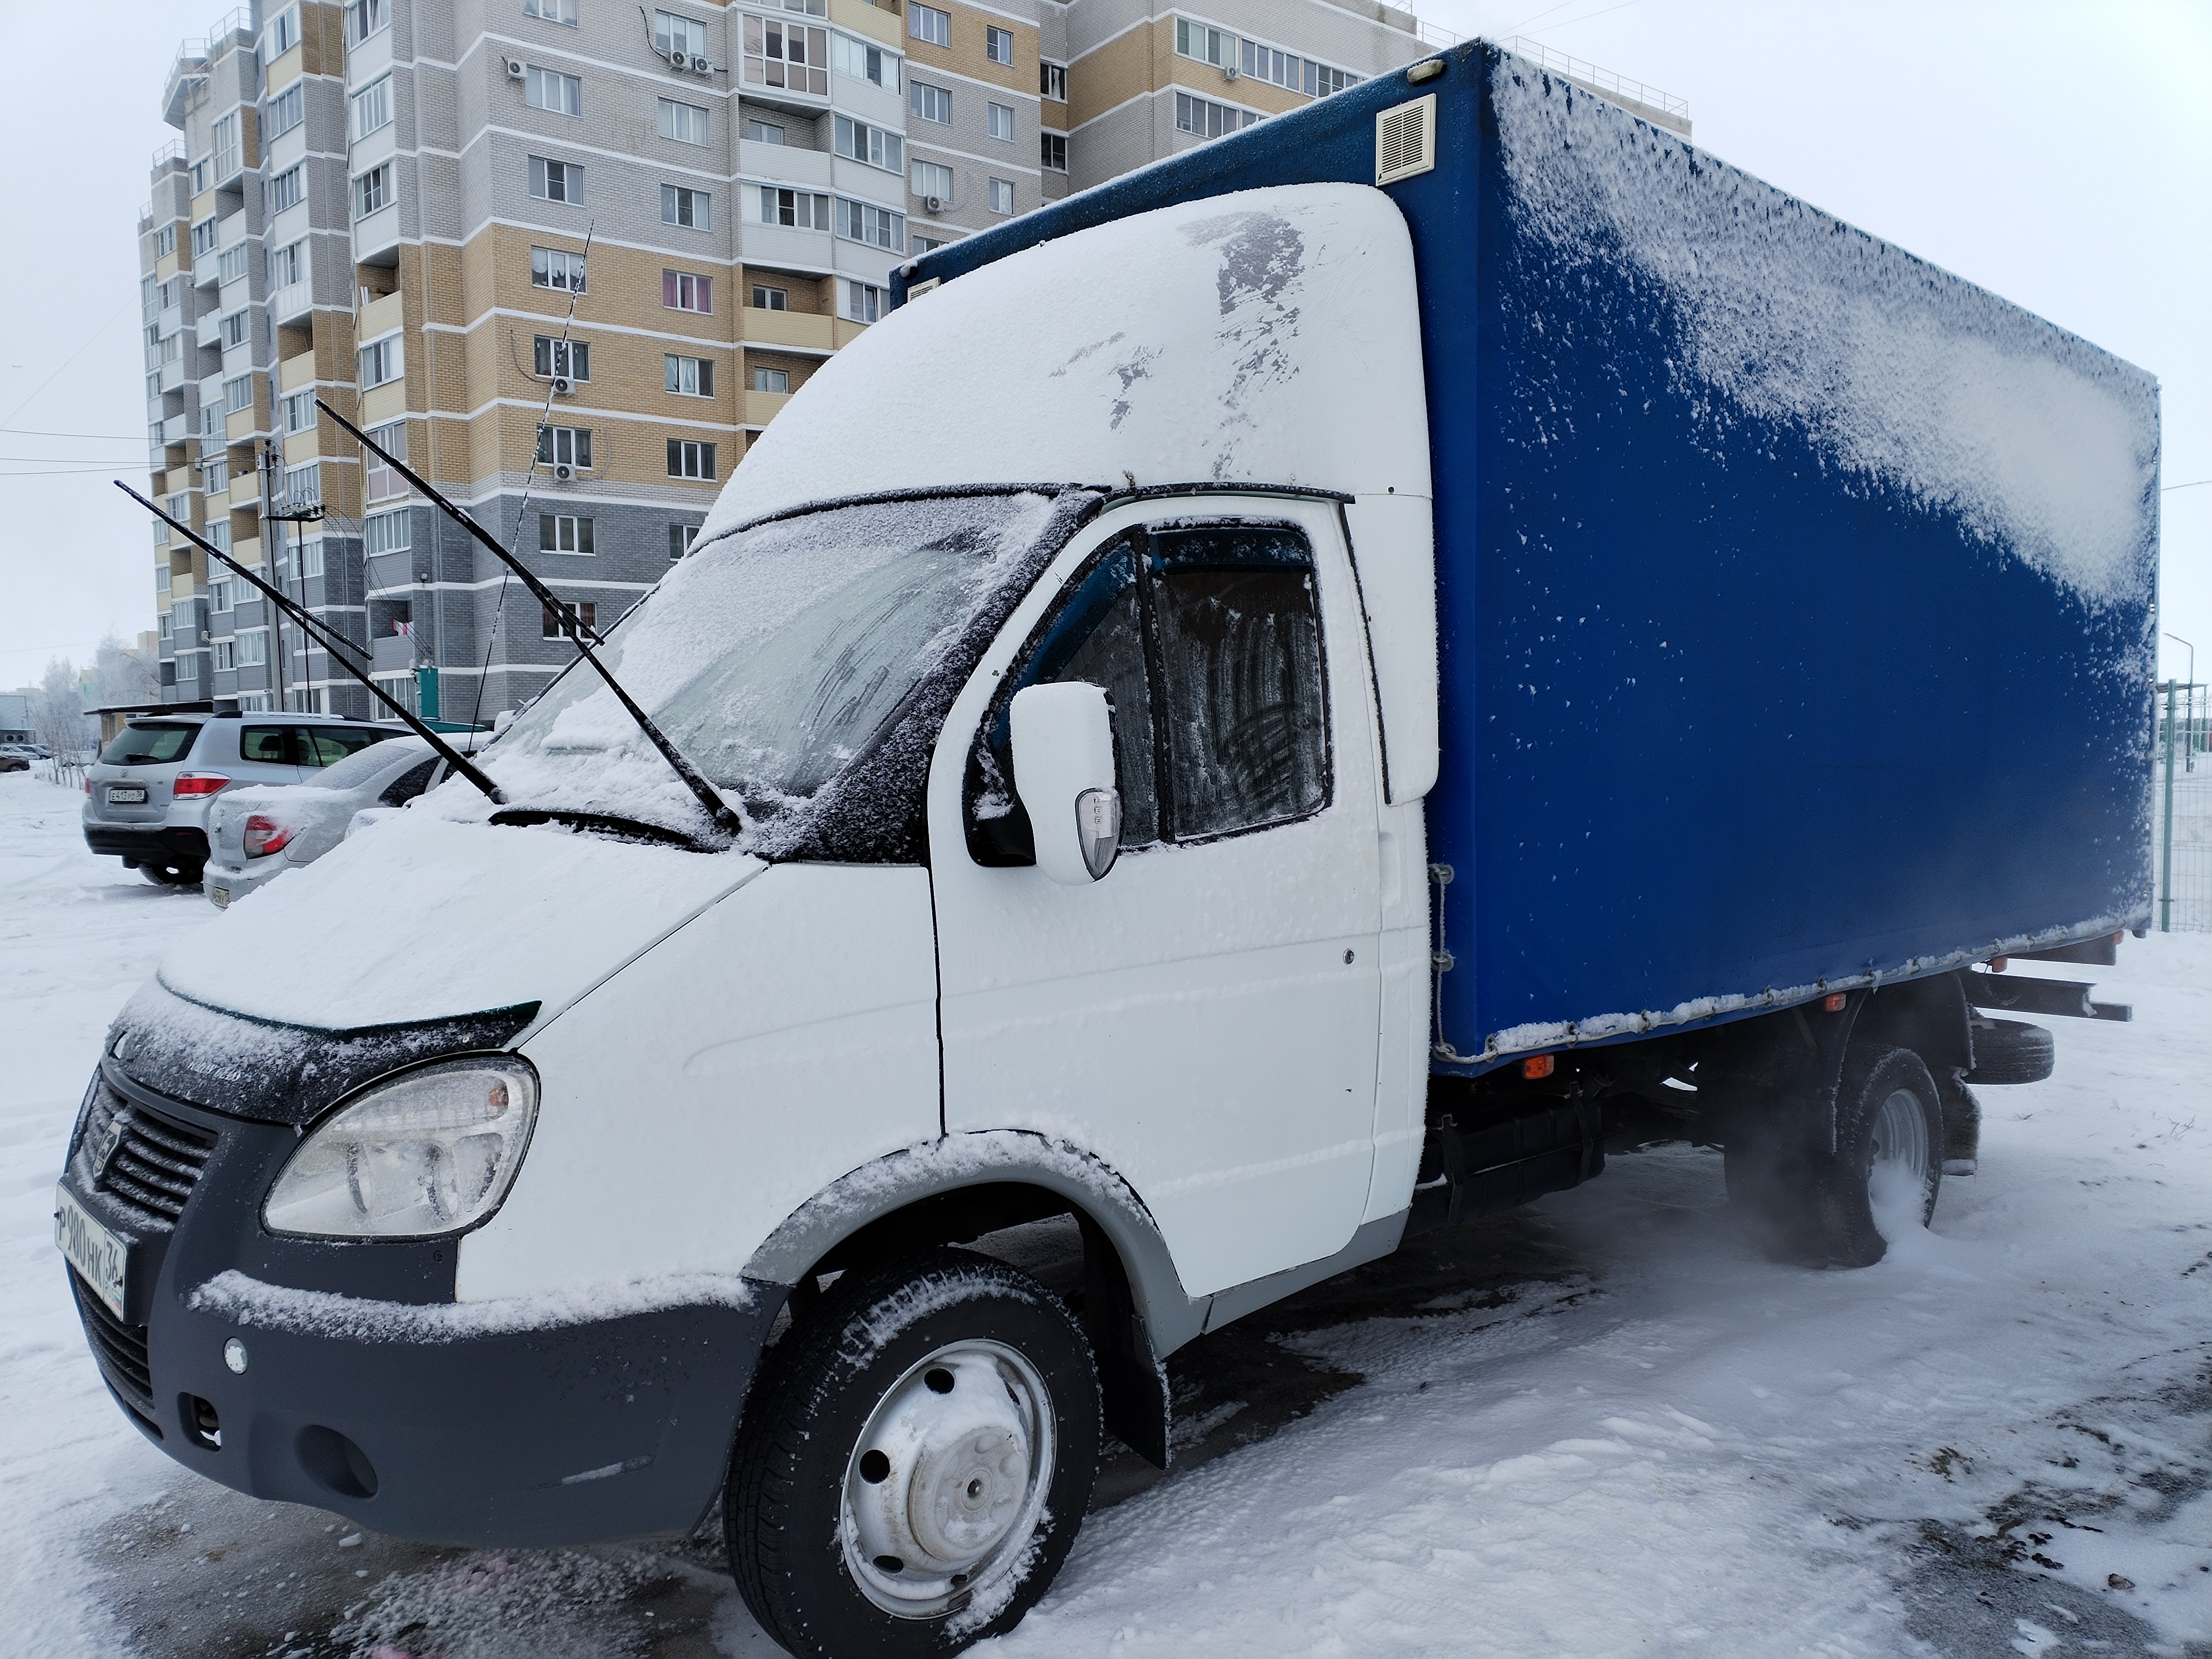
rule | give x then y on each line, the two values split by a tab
772	658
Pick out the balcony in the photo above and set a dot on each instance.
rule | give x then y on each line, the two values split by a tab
376	239
761	407
803	330
207	270
170	320
208	331
173	375
292	302
392	654
786	164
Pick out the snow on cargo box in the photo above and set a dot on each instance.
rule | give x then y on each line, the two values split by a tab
1796	597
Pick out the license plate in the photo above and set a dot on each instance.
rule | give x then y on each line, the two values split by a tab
126	797
98	1255
221	896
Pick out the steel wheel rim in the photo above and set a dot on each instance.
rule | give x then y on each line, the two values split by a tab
1901	1139
948	1480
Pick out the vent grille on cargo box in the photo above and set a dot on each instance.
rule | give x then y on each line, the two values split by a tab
1406	140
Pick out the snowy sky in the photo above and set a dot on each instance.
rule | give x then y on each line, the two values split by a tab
2058	154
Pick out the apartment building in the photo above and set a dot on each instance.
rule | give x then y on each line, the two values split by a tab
569	258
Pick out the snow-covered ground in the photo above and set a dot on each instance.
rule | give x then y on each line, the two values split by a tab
1600	1426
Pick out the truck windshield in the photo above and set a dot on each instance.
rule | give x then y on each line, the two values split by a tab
773	659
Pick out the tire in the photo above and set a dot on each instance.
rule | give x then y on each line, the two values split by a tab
980	1383
2011	1051
1809	1204
170	875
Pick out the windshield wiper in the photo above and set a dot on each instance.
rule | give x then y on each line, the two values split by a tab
612	825
719	811
334	644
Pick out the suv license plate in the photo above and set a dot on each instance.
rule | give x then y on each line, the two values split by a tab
221	896
102	1259
131	797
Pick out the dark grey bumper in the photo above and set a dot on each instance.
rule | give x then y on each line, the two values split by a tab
147	843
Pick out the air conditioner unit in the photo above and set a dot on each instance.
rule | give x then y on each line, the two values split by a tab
702	65
563	471
562	385
1229	71
935	203
514	69
679	60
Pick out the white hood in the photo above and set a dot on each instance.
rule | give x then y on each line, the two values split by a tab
422	918
1267	337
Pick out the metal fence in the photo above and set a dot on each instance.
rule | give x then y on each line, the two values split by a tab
2181	811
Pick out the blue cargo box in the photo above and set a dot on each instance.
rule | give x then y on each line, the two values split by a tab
1796	597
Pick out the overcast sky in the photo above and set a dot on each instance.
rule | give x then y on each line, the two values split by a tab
2060	154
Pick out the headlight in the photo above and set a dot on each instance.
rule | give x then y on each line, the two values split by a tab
433	1153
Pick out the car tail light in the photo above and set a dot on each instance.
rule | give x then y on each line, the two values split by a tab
200	783
265	836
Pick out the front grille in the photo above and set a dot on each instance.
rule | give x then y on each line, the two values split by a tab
155	1160
120	1348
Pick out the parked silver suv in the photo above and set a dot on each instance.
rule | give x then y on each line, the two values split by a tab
146	798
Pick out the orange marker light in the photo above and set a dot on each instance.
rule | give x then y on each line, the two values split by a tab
1997	963
1835	1002
1538	1066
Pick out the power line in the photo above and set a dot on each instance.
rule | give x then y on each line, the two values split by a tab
64	472
66	362
2192	484
33	432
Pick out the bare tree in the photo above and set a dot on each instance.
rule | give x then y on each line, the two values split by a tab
122	675
58	715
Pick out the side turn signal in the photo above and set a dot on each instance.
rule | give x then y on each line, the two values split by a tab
1539	1066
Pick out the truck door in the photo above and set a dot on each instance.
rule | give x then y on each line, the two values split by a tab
1205	1018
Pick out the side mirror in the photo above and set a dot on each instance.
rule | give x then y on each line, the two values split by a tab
1064	772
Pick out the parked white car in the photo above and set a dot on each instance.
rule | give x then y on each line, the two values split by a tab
256	834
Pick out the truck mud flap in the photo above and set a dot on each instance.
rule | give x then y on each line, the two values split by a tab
1505	1162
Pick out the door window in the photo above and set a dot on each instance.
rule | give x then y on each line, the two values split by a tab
273	746
326	745
1218	627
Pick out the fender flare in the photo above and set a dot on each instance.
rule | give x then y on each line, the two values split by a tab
990	1157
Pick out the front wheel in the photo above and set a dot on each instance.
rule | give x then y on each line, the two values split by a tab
915	1461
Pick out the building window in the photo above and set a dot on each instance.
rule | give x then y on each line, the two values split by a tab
165	241
1208	46
556	181
366	17
234	330
928	103
215	478
381	363
289	264
230	265
672	35
565	446
779	54
237	396
552	11
919	245
545	88
999	45
865	62
281	34
382	481
1002	122
551	268
680	537
372	108
253	647
587	613
1322	80
299	411
303	487
1002	196
861	221
219	591
690	377
1277	69
770	298
864	302
863	142
311	553
797	207
685	122
927	23
224	658
286	110
688	459
933	183
287	190
772	379
571	358
763	133
1052	81
203	237
387	533
688	208
681	291
372	192
1207	119
1053	147
563	532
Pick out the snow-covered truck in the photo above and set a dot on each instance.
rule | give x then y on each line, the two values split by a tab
1270	706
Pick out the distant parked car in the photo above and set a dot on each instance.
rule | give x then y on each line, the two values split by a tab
255	834
146	798
17	756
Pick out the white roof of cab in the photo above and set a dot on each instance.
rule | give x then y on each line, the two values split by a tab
1270	336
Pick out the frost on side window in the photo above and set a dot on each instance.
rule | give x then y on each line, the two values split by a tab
803	665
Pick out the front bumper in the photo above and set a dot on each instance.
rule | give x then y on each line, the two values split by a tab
588	1431
147	843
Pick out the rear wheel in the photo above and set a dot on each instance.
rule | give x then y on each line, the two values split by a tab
2011	1051
170	875
915	1461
